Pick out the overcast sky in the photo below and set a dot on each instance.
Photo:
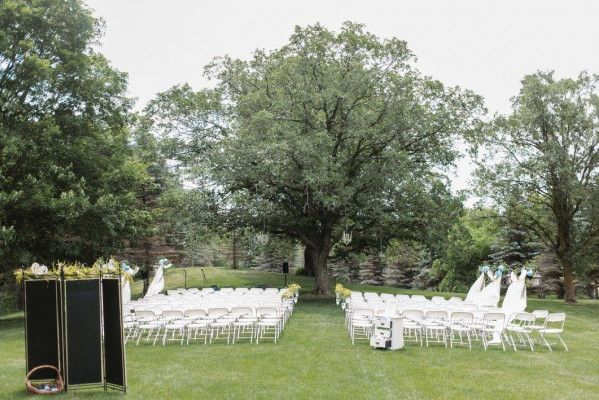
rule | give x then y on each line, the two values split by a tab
484	46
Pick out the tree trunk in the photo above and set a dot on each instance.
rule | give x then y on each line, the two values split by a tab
563	250
321	279
146	274
569	295
309	261
316	255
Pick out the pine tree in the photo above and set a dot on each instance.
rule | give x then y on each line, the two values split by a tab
514	249
371	270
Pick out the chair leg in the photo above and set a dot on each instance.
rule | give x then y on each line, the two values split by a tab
545	341
561	340
156	337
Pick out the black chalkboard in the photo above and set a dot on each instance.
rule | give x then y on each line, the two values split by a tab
83	338
42	321
114	350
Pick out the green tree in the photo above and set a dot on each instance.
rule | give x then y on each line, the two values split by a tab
468	244
546	159
332	131
66	167
514	248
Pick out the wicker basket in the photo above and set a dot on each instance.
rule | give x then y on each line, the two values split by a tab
57	383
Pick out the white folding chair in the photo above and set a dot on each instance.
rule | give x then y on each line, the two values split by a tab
149	323
520	328
460	325
198	324
361	323
412	325
554	325
129	324
435	327
492	332
173	324
244	326
540	321
268	323
220	323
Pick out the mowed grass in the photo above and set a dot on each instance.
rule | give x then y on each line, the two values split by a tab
315	359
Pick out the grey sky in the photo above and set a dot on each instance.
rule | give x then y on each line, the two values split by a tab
485	46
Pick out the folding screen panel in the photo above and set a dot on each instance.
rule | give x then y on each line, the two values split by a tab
42	326
114	348
83	333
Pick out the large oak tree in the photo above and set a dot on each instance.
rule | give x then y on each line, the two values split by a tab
332	131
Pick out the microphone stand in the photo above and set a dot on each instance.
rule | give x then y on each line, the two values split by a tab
205	281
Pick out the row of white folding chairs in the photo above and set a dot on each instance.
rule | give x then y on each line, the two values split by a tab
218	294
179	299
422	305
490	327
258	322
178	302
183	306
440	324
207	299
387	297
182	291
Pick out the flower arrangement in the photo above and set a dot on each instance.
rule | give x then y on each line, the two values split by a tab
292	291
484	268
341	294
77	270
165	263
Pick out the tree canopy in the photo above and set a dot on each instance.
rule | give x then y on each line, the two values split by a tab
332	131
543	174
67	174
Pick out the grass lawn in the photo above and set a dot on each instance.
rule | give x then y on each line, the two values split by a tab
315	359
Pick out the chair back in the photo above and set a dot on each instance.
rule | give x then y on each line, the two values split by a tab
524	320
492	318
146	314
541	314
242	310
195	313
267	311
172	314
363	312
462	318
413	315
555	321
436	316
216	312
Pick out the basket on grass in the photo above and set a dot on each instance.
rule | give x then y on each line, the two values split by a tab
51	387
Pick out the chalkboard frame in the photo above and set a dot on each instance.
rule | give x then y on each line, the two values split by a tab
84	367
114	342
43	342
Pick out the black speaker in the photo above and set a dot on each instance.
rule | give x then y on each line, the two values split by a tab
285	268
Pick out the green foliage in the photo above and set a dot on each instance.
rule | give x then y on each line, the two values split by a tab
331	131
514	249
66	171
403	261
467	246
546	159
